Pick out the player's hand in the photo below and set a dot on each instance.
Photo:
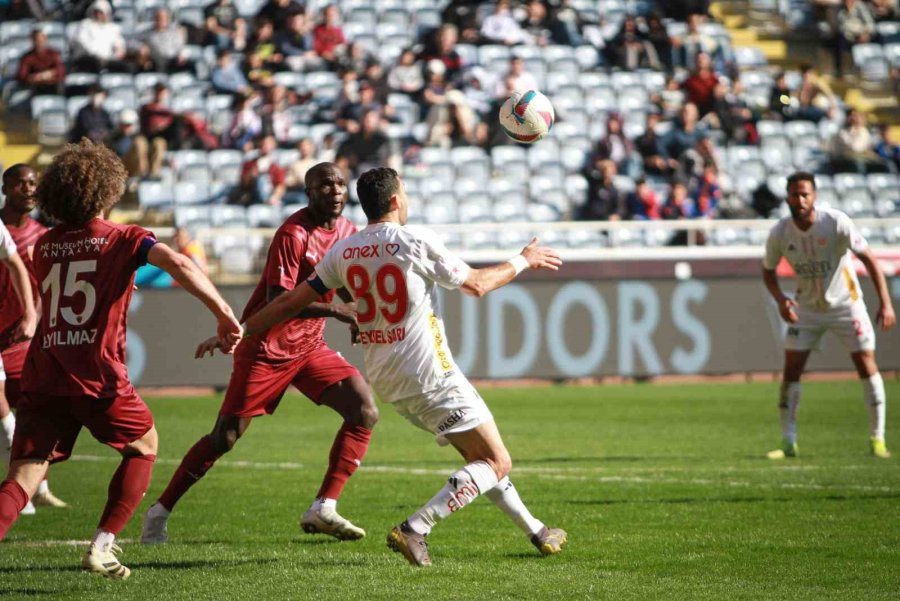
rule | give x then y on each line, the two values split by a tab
345	312
354	334
786	309
541	257
228	332
207	346
25	329
886	318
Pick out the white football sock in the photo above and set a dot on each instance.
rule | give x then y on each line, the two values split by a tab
320	504
506	497
462	487
788	401
43	488
873	390
8	428
103	540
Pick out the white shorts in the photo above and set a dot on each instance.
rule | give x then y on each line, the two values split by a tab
455	408
850	323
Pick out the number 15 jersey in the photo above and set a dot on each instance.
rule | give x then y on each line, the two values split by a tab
393	272
85	277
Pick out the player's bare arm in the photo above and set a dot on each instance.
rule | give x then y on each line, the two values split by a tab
481	281
193	280
28	323
284	307
785	303
885	316
345	311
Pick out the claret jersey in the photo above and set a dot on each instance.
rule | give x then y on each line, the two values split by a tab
393	272
11	309
819	257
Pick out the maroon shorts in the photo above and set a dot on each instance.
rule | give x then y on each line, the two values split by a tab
47	426
13	362
256	387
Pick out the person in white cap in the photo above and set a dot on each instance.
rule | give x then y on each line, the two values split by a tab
97	42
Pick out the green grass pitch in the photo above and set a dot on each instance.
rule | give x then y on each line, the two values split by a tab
662	488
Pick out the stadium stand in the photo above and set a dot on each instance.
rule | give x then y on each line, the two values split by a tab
667	92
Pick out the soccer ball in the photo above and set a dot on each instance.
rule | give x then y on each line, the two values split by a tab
526	116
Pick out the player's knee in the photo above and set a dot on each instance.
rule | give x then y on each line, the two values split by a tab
368	414
502	464
224	439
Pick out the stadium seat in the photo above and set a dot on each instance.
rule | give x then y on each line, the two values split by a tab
154	195
440	209
229	216
53	127
191	193
857	202
848	181
193	216
546	212
47	102
475	208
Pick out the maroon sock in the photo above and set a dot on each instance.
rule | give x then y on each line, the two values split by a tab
126	489
12	499
347	452
194	466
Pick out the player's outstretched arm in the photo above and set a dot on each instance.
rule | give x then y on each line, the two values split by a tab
481	281
785	303
192	279
885	317
345	312
22	284
281	308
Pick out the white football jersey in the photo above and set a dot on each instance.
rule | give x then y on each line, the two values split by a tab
7	244
820	258
393	272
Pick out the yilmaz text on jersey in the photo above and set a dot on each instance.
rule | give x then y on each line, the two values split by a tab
70	338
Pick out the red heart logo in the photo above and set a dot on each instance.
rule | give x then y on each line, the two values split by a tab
393	249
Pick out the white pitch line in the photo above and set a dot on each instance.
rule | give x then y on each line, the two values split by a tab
580	474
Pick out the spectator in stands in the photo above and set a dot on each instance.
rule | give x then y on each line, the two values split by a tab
165	44
355	58
364	149
630	49
815	100
374	74
262	179
451	123
781	100
648	146
700	86
616	147
436	85
15	10
295	43
462	15
681	10
41	69
696	160
97	42
224	26
695	42
643	203
275	118
227	77
732	115
855	25
190	248
536	22
885	10
671	98
683	135
659	38
406	76
853	144
280	12
93	121
295	178
350	115
263	45
328	37
443	48
246	124
160	127
679	205
567	25
127	142
517	76
480	99
886	148
327	151
708	194
501	27
604	201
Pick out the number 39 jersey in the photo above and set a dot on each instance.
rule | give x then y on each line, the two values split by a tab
393	272
86	278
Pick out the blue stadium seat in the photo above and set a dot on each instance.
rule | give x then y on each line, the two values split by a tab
191	193
155	195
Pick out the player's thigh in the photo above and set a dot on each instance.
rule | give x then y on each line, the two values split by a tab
483	443
117	422
794	365
28	473
854	329
322	370
805	335
256	386
454	408
148	444
46	429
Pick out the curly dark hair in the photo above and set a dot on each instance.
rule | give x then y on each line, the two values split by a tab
83	181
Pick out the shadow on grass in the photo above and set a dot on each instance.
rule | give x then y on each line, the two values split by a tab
26	592
702	500
157	565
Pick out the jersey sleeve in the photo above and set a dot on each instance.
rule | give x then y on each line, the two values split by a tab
773	249
7	244
285	256
849	236
328	272
141	241
437	263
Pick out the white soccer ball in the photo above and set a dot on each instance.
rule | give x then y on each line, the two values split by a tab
527	116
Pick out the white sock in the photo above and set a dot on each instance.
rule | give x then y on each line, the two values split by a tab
43	488
103	540
8	427
506	497
320	504
462	487
873	391
787	407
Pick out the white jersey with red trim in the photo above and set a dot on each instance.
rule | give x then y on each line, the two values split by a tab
393	272
820	258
